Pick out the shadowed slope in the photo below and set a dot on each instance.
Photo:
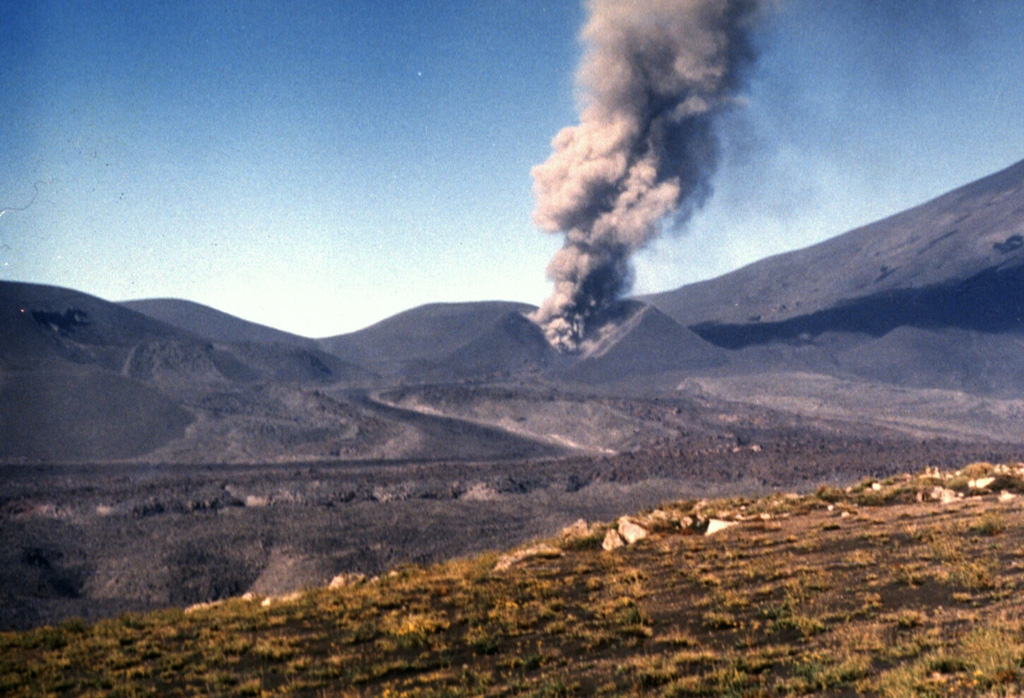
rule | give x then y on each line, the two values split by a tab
955	261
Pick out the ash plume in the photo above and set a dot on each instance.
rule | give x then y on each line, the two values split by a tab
654	76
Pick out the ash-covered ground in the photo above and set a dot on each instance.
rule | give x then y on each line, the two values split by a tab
96	540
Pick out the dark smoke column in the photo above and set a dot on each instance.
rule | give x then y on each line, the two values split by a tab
655	75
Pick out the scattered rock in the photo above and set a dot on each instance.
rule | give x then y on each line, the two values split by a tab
943	495
543	550
753	448
716	525
346	579
1005	497
578	529
384	495
981	483
612	540
659	516
480	492
631	531
274	600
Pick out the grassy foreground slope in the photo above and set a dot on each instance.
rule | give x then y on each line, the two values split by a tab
908	586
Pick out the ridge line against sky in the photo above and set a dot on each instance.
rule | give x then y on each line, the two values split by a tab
318	166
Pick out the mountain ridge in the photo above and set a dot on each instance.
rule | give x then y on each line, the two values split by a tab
971	231
215	325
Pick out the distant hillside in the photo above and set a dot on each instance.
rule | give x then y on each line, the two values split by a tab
40	323
89	380
955	261
212	324
446	338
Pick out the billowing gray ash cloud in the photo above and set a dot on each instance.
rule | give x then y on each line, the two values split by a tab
654	77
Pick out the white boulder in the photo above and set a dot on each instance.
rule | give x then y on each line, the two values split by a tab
346	579
612	540
716	525
578	529
943	495
631	531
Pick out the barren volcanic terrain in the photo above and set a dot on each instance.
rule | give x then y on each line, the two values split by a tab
161	452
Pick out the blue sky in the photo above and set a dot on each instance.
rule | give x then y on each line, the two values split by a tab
318	166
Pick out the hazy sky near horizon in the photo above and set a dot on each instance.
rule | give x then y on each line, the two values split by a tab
318	166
